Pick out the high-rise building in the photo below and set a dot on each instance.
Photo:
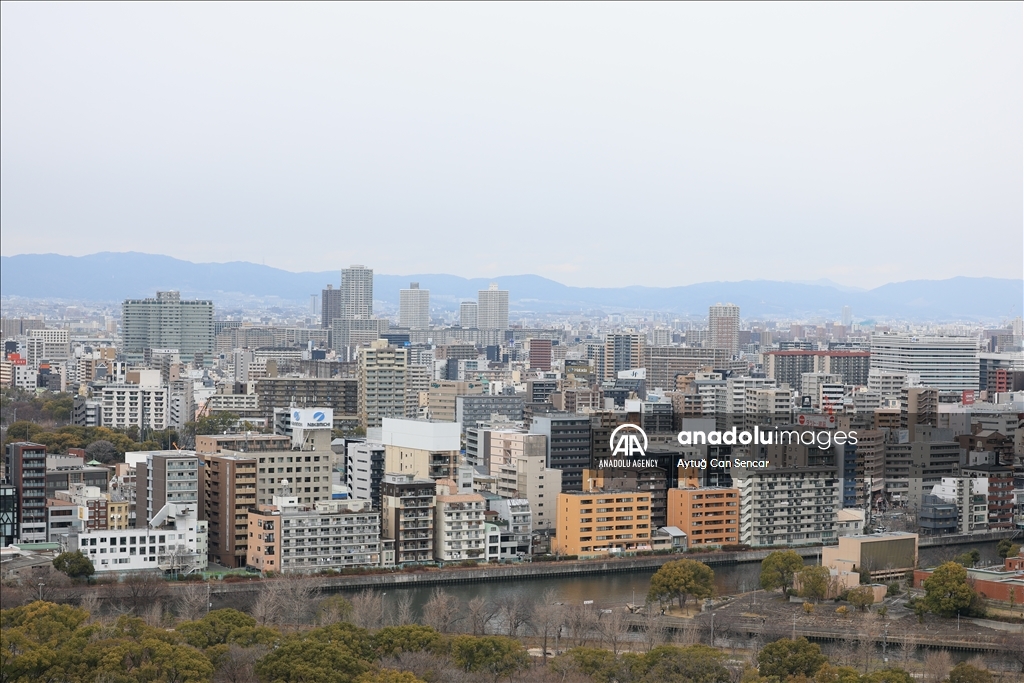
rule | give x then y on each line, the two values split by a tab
356	293
407	516
468	315
414	307
492	311
330	306
623	351
167	322
26	470
944	363
724	327
847	317
568	443
540	354
229	495
382	375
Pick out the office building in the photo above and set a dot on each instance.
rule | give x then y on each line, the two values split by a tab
787	367
407	517
665	363
164	477
291	537
568	445
442	395
886	557
167	322
943	363
459	527
330	306
382	385
356	293
229	493
913	468
598	522
414	307
709	515
540	354
492	308
468	315
724	328
175	540
26	470
47	345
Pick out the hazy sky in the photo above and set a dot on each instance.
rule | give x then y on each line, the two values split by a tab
594	144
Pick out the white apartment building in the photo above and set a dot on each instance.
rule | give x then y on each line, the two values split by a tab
811	383
127	405
459	532
492	308
421	448
468	315
517	533
330	534
364	470
787	506
414	307
724	327
174	541
382	383
768	405
888	383
970	495
356	293
51	345
944	363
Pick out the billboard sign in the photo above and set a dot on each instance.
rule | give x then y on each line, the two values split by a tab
312	418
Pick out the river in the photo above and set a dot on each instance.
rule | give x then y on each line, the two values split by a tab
620	588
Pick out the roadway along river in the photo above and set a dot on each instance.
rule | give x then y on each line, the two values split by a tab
618	589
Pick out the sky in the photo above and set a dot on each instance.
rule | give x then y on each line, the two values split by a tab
594	144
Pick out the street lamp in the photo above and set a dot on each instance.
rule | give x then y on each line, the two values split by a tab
41	584
382	595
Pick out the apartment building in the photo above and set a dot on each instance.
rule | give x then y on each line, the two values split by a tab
944	363
492	308
518	462
414	307
339	394
229	483
912	468
665	364
290	536
123	406
25	464
364	470
598	522
787	506
167	322
422	448
708	515
623	351
382	375
471	411
724	327
407	516
164	477
568	444
459	532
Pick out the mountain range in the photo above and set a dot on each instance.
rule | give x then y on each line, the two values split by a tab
113	276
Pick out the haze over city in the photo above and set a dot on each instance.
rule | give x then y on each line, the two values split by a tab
619	145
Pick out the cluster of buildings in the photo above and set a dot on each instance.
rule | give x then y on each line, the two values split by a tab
365	439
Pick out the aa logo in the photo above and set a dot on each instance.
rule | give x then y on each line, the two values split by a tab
628	440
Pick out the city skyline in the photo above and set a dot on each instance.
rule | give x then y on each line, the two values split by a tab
840	141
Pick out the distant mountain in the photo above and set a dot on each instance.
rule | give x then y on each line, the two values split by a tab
112	277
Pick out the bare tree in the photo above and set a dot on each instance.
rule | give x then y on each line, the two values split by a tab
295	593
937	665
612	625
548	616
514	608
907	650
238	664
154	615
367	609
441	611
332	610
137	591
403	609
428	666
265	607
480	611
580	623
651	628
192	601
90	602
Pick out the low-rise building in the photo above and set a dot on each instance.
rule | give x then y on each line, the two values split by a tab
886	557
290	536
598	522
459	532
707	515
407	516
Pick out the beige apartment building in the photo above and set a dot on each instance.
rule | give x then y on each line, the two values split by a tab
382	383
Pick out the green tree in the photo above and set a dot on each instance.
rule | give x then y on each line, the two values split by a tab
1008	548
968	559
332	654
596	663
389	676
778	570
76	565
836	674
694	664
814	582
965	673
216	628
497	655
681	578
790	658
861	597
947	591
393	640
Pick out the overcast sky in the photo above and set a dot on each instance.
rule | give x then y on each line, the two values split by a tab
593	144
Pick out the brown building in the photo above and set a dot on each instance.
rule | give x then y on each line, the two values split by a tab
1000	493
242	443
407	516
599	522
229	483
264	539
540	354
709	515
651	480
